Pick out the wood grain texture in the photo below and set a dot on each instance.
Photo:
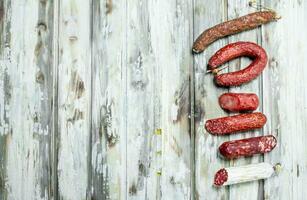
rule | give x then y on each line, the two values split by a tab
5	94
97	97
285	98
140	99
252	190
207	14
26	99
152	105
109	100
172	62
74	98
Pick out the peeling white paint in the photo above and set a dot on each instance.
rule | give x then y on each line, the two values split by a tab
24	167
206	102
37	128
155	37
74	69
174	112
172	67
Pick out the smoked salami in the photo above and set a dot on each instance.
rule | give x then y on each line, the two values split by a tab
248	146
244	23
238	102
235	50
236	123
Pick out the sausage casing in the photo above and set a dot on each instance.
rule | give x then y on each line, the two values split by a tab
248	146
238	102
244	23
235	50
236	123
245	173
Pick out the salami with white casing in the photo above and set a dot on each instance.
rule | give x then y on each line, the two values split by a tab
247	173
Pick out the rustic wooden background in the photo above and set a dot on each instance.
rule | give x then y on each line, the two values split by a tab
102	99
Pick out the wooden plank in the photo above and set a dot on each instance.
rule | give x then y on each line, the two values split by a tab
285	98
26	99
4	96
55	106
74	98
109	100
5	93
158	100
207	14
253	190
170	40
140	100
138	83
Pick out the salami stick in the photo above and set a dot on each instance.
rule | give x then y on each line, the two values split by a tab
247	147
238	102
235	123
241	174
244	23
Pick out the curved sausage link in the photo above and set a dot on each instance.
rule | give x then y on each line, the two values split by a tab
238	102
244	23
248	146
236	123
235	50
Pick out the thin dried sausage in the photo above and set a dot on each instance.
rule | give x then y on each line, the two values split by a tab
238	102
235	50
244	23
236	123
248	146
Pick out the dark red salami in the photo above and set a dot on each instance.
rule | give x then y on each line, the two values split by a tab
247	147
237	102
220	177
244	23
235	50
236	123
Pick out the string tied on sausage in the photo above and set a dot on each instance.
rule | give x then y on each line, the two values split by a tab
259	7
216	70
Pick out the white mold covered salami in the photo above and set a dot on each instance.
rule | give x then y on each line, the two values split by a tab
241	174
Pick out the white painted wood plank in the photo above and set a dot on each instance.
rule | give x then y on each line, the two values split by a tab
5	94
285	98
158	95
207	14
140	100
55	107
133	97
74	98
251	190
26	96
109	100
171	39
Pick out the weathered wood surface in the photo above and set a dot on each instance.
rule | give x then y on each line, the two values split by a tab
26	99
285	98
206	104
108	143
74	98
104	100
251	190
